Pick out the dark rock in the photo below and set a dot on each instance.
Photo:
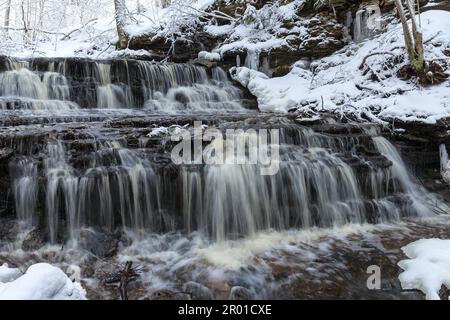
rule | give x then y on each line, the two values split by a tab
100	244
34	240
8	230
198	291
240	293
165	294
179	50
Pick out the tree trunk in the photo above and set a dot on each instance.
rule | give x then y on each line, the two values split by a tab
120	15
418	39
165	3
7	15
414	42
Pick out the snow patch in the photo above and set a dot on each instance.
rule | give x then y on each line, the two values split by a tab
41	282
8	274
428	268
211	56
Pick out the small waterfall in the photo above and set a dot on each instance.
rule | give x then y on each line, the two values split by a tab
24	174
109	95
126	194
64	85
62	191
445	163
358	34
21	88
366	22
403	180
177	88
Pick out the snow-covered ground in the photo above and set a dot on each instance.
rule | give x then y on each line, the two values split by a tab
428	267
41	282
338	84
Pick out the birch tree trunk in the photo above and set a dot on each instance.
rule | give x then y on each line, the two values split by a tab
7	15
120	15
414	41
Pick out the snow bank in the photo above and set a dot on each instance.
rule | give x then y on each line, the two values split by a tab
428	268
41	282
211	56
337	83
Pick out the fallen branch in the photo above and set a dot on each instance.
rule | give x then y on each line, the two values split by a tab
374	54
67	36
124	276
34	29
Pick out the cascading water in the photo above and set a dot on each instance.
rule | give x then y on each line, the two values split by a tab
122	187
66	85
87	168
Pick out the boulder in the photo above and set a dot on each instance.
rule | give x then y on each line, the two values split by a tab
34	240
198	291
100	244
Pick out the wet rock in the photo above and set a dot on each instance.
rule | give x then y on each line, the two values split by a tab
8	230
165	294
205	63
34	240
198	291
240	293
180	50
100	244
5	154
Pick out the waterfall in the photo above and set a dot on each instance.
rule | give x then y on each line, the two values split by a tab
64	85
358	33
107	173
24	89
121	187
24	173
111	95
366	22
403	180
62	188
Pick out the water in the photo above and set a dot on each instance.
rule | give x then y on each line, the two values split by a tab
114	186
63	85
84	161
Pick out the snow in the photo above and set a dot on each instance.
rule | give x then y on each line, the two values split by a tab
330	84
428	267
172	130
8	274
164	21
157	132
260	30
211	56
41	282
